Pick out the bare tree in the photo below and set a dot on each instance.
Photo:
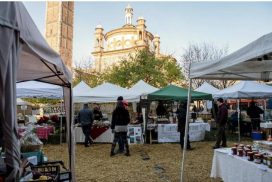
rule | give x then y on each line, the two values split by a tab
84	71
202	52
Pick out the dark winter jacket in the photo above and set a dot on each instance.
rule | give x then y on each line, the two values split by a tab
222	115
120	117
254	112
181	115
97	115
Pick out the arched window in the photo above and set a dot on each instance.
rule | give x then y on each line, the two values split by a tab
140	35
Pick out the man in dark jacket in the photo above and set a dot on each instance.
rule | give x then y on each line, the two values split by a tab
181	114
85	118
120	120
221	121
254	113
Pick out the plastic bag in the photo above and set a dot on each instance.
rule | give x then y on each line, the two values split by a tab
30	141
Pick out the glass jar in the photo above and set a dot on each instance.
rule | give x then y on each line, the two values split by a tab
246	151
242	146
240	152
258	158
234	150
250	156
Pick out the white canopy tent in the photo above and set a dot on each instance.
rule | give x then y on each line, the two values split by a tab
207	88
139	89
245	89
38	90
24	56
252	62
81	89
104	93
81	92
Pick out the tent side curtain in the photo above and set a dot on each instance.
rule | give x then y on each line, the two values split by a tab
252	62
172	92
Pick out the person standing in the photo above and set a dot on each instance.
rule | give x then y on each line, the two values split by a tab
120	120
97	113
254	113
221	121
181	115
85	118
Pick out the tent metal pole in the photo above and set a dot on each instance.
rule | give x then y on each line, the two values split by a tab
238	110
186	130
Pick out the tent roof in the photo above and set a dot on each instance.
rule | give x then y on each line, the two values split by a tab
104	93
246	89
252	62
172	92
142	87
31	89
207	88
37	60
81	89
108	90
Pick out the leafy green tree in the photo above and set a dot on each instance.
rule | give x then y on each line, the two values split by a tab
144	65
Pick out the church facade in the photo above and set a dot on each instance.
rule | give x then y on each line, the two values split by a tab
115	45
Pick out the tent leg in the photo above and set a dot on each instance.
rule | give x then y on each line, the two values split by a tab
186	130
238	110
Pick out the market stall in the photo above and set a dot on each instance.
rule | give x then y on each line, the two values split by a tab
166	126
243	90
25	56
252	62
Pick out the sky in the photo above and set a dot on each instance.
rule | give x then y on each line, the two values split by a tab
231	24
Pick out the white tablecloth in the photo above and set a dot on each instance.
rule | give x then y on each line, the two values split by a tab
168	132
238	169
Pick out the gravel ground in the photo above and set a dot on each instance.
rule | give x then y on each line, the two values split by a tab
156	162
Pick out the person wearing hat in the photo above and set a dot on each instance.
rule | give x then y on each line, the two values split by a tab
221	121
120	120
85	118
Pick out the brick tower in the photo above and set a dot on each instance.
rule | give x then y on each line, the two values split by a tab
59	28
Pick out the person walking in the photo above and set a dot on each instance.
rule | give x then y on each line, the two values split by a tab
85	118
221	121
181	115
120	120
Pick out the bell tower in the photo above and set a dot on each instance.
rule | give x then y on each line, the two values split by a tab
129	15
59	28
